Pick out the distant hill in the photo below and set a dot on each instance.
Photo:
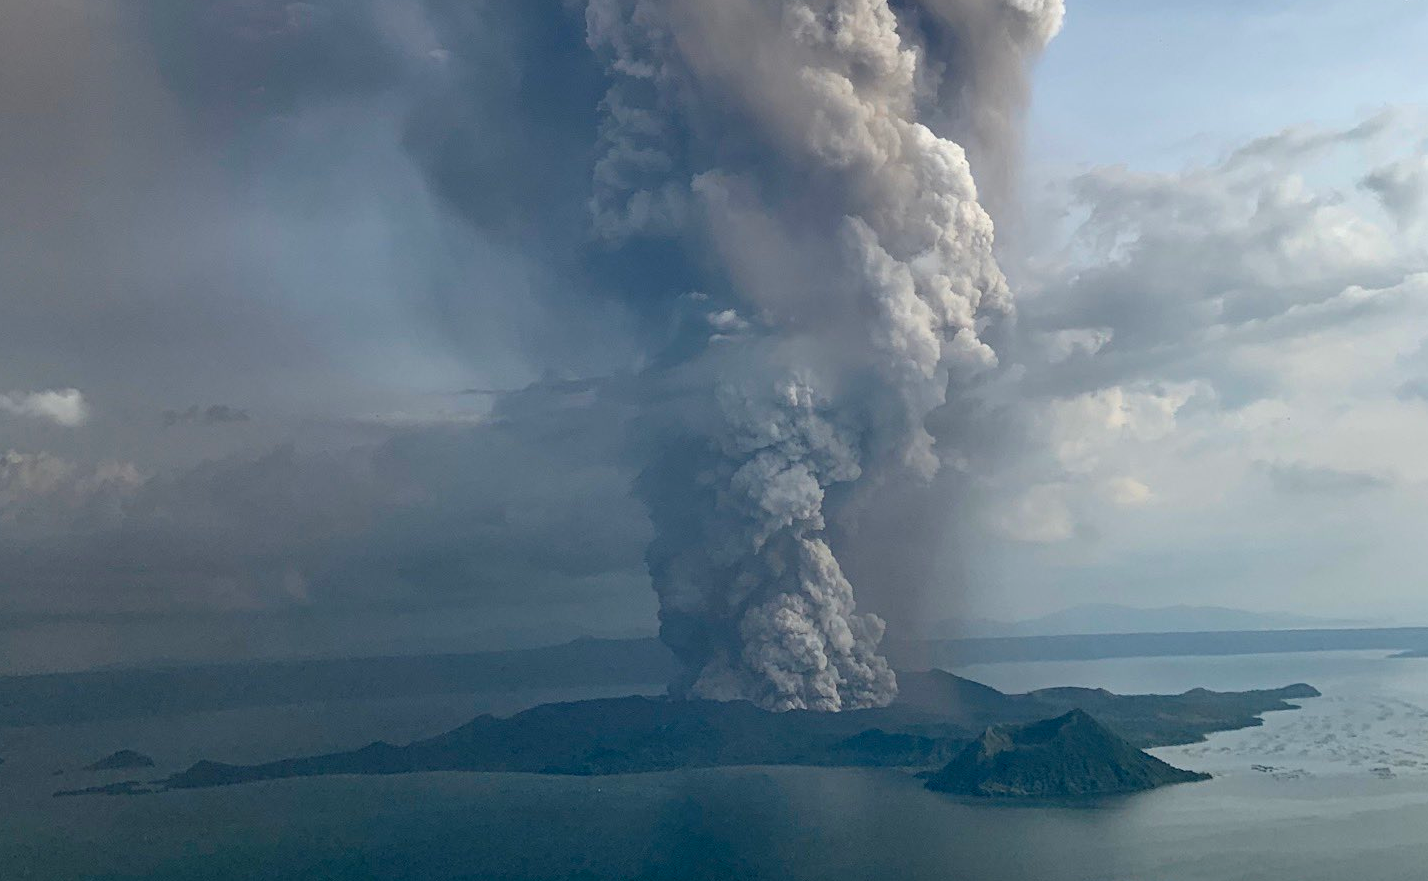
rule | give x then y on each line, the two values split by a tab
1069	756
1144	719
1101	618
124	759
954	653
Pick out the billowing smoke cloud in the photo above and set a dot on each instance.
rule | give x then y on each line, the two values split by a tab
973	83
785	138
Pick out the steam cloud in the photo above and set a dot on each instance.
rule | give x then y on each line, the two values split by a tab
784	137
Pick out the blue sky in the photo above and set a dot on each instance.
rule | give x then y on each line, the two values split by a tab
1154	83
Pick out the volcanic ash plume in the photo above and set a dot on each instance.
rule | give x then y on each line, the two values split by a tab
855	271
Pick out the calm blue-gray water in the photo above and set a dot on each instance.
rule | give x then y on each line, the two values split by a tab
1337	790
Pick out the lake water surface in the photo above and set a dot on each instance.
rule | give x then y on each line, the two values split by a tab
1337	790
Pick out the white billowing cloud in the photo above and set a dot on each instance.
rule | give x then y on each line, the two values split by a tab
65	407
1083	428
1402	187
26	475
1169	261
1222	364
727	321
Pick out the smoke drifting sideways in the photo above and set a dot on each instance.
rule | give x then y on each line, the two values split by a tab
852	276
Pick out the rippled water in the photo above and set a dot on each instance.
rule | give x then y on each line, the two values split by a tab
1336	790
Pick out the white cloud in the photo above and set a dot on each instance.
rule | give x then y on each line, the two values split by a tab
1084	428
1402	187
1127	492
1264	309
1167	261
727	321
44	494
1063	344
65	407
25	475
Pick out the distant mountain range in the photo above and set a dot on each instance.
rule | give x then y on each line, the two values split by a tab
1103	618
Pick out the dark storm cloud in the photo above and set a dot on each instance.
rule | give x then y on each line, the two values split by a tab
167	260
514	512
234	60
497	107
332	212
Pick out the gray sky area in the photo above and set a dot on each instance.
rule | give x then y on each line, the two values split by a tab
378	326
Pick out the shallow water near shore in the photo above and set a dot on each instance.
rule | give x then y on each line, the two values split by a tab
1337	789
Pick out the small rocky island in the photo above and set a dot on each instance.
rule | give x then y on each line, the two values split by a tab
1070	756
124	759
